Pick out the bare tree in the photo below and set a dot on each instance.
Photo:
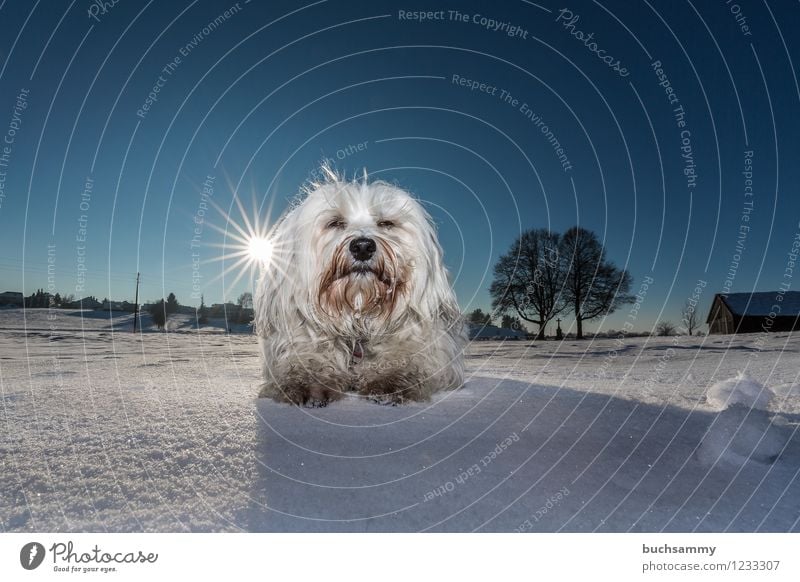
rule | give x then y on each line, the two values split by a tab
689	317
245	312
665	328
529	279
594	286
245	300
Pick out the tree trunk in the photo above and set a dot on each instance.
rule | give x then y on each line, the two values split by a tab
540	335
578	316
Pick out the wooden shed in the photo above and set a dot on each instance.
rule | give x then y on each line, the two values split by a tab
754	312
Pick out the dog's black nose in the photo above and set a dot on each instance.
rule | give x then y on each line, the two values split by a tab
362	249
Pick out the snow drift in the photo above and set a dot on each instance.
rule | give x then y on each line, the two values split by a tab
743	431
742	390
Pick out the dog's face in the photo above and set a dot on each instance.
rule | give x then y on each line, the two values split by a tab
365	243
355	259
356	267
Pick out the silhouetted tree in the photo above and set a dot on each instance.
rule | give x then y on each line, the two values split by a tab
245	300
158	311
38	299
529	279
245	303
478	317
665	328
202	312
689	317
594	286
172	305
512	322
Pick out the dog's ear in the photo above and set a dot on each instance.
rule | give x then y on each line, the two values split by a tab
432	294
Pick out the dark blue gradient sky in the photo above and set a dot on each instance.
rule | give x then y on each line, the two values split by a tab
258	99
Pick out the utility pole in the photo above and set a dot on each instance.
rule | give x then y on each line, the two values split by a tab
136	304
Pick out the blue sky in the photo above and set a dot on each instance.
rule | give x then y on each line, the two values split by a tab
463	110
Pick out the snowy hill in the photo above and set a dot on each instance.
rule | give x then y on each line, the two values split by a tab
76	320
105	430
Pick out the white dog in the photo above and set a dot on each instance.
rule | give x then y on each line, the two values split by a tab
356	298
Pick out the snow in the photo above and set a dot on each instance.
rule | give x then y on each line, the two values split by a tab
106	430
739	436
787	391
741	390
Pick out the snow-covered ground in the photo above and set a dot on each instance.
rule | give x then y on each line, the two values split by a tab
105	430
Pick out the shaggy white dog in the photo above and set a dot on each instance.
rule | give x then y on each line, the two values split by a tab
356	298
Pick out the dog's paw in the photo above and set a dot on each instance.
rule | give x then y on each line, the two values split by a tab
391	390
393	399
319	396
310	396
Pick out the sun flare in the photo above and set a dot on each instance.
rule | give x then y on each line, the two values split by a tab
248	249
260	249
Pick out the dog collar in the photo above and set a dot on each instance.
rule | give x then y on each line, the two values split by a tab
358	352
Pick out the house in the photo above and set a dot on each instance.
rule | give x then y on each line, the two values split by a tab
754	312
12	298
492	332
89	302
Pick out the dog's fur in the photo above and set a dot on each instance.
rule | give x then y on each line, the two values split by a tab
388	328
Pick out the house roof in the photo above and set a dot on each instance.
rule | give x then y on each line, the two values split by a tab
88	299
761	304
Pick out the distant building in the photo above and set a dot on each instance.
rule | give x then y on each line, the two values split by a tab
492	332
89	302
223	309
108	305
12	298
754	312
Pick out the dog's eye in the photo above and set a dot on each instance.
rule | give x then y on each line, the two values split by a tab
385	223
336	223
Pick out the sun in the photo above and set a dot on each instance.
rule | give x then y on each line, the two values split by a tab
248	248
259	248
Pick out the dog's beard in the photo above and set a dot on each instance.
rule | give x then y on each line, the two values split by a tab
368	289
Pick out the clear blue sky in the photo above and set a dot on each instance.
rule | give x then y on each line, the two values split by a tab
261	95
